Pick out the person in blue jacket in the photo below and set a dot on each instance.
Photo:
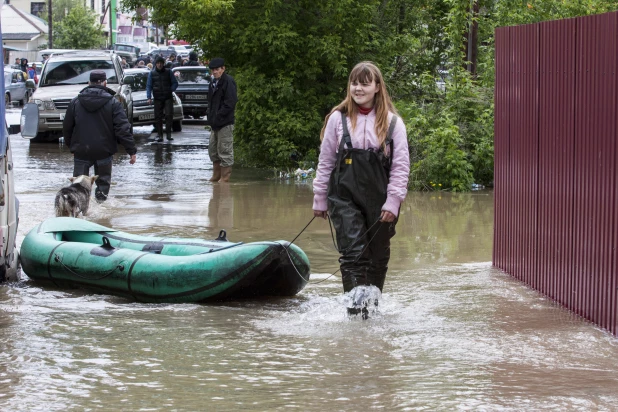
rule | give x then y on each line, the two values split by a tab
160	85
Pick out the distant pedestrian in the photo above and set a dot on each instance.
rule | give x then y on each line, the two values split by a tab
192	59
222	100
24	66
141	64
32	73
161	84
149	65
94	124
124	64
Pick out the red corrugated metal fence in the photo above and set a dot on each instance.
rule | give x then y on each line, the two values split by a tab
556	159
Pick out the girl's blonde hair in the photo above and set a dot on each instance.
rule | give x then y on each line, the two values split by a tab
366	72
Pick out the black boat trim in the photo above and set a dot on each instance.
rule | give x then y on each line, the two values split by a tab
131	271
49	263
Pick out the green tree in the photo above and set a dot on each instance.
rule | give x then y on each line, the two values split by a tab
79	30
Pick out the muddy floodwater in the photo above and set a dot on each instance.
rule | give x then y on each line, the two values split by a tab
452	332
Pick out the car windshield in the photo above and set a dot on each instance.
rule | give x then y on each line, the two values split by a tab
197	76
119	47
76	72
139	82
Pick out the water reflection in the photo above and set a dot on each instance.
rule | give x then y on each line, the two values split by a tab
221	207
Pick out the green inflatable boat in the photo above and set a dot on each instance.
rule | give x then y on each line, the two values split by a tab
74	252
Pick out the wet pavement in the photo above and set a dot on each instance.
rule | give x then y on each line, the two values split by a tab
452	333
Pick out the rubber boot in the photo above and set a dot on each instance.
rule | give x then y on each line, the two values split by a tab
377	277
216	172
226	172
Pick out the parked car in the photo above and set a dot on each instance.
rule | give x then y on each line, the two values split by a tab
193	82
143	113
64	76
178	50
129	51
15	89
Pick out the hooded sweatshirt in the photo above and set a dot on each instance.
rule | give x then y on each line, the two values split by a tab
94	123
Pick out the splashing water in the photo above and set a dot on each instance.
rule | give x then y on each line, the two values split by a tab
362	300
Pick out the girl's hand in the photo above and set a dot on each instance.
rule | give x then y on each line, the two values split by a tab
320	213
387	216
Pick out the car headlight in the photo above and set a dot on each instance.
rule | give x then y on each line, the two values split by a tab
45	104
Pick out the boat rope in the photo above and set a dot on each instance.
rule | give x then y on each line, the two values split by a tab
353	243
68	269
301	232
285	248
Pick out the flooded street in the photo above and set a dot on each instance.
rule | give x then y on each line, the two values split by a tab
452	332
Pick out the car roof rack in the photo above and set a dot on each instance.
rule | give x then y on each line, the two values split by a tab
83	53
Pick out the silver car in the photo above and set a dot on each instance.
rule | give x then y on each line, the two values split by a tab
15	87
143	113
64	75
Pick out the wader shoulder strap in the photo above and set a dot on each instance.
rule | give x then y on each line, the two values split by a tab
389	140
346	134
391	127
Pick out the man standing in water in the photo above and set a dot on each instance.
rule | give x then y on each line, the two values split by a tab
161	84
93	125
221	105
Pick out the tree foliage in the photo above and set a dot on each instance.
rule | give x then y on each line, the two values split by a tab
78	30
291	60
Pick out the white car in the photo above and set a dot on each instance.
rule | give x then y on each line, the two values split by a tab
179	50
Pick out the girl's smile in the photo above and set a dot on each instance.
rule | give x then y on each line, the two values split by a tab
364	93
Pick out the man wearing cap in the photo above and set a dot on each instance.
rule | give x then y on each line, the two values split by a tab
93	125
160	85
221	105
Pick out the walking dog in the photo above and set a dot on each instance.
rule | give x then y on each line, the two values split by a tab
75	198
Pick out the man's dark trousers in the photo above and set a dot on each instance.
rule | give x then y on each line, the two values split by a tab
102	168
164	108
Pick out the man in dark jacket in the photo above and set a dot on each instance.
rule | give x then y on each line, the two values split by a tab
193	59
160	85
221	105
93	125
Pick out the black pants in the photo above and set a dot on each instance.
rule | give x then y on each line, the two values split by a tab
356	194
102	168
164	108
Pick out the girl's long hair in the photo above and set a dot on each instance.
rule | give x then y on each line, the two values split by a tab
366	72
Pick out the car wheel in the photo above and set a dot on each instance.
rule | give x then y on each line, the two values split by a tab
177	126
7	100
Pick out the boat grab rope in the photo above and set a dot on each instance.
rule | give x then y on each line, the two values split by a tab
58	259
285	248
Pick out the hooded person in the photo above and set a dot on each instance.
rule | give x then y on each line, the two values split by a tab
94	123
160	86
193	59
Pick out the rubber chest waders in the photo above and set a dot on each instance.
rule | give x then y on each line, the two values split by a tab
356	194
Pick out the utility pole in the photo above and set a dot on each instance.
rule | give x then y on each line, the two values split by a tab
50	42
112	19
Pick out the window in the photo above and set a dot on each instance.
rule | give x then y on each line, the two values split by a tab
37	9
92	4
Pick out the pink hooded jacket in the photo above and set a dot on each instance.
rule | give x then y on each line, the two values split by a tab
363	136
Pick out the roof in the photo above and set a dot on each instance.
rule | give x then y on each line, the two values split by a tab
190	68
81	53
19	25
